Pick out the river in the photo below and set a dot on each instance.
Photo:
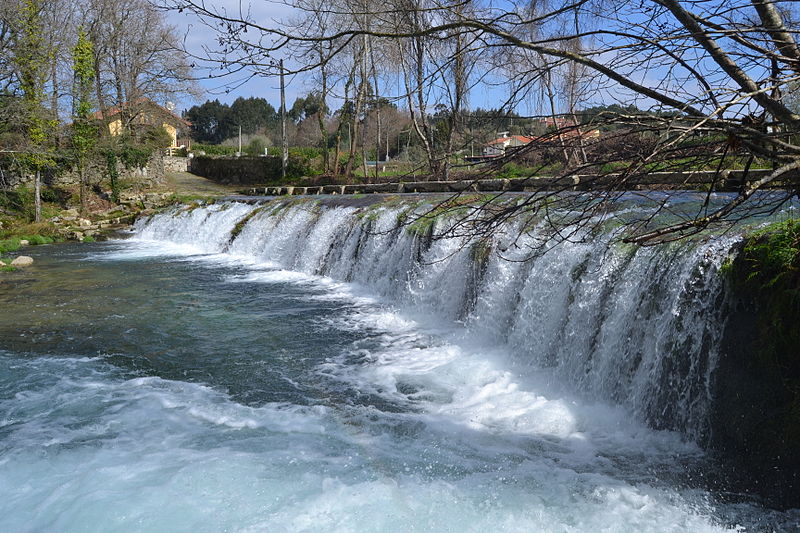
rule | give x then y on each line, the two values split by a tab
324	372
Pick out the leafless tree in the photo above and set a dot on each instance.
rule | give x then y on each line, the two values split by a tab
7	15
137	55
711	77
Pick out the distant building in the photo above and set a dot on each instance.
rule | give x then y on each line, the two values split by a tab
559	123
498	146
145	112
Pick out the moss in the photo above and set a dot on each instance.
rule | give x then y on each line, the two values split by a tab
481	251
726	268
403	216
369	213
196	204
88	238
280	206
766	273
423	224
191	199
456	207
239	226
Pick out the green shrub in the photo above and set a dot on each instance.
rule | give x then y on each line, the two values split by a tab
215	149
773	255
256	147
39	239
9	245
512	170
134	156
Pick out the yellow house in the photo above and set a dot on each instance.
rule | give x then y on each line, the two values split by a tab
145	112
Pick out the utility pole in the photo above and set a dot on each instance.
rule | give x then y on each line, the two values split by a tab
284	140
471	137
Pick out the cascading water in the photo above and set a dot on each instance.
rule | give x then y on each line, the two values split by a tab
635	326
327	366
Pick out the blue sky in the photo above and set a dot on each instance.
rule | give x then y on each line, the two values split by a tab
196	35
270	13
266	12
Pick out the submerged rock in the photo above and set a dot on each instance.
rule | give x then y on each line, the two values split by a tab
22	261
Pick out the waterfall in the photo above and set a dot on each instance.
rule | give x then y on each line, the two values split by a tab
637	327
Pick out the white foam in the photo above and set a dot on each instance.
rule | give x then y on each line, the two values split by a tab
149	454
510	421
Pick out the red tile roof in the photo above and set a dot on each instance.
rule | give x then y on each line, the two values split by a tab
521	138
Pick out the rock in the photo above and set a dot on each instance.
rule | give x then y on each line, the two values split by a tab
2	264
76	235
22	261
84	222
24	242
70	213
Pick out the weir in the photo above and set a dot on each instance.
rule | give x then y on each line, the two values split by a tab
699	180
336	364
639	327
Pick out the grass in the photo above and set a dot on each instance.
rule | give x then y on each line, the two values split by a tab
9	245
190	198
770	254
13	244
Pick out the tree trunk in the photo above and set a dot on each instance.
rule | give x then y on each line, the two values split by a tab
284	139
37	197
82	177
359	103
323	111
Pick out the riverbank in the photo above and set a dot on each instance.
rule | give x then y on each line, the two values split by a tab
63	221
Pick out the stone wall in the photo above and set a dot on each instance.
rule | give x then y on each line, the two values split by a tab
176	164
699	180
96	171
237	170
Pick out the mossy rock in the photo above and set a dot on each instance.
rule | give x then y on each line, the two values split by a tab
756	418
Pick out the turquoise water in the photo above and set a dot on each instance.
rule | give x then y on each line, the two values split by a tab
157	386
